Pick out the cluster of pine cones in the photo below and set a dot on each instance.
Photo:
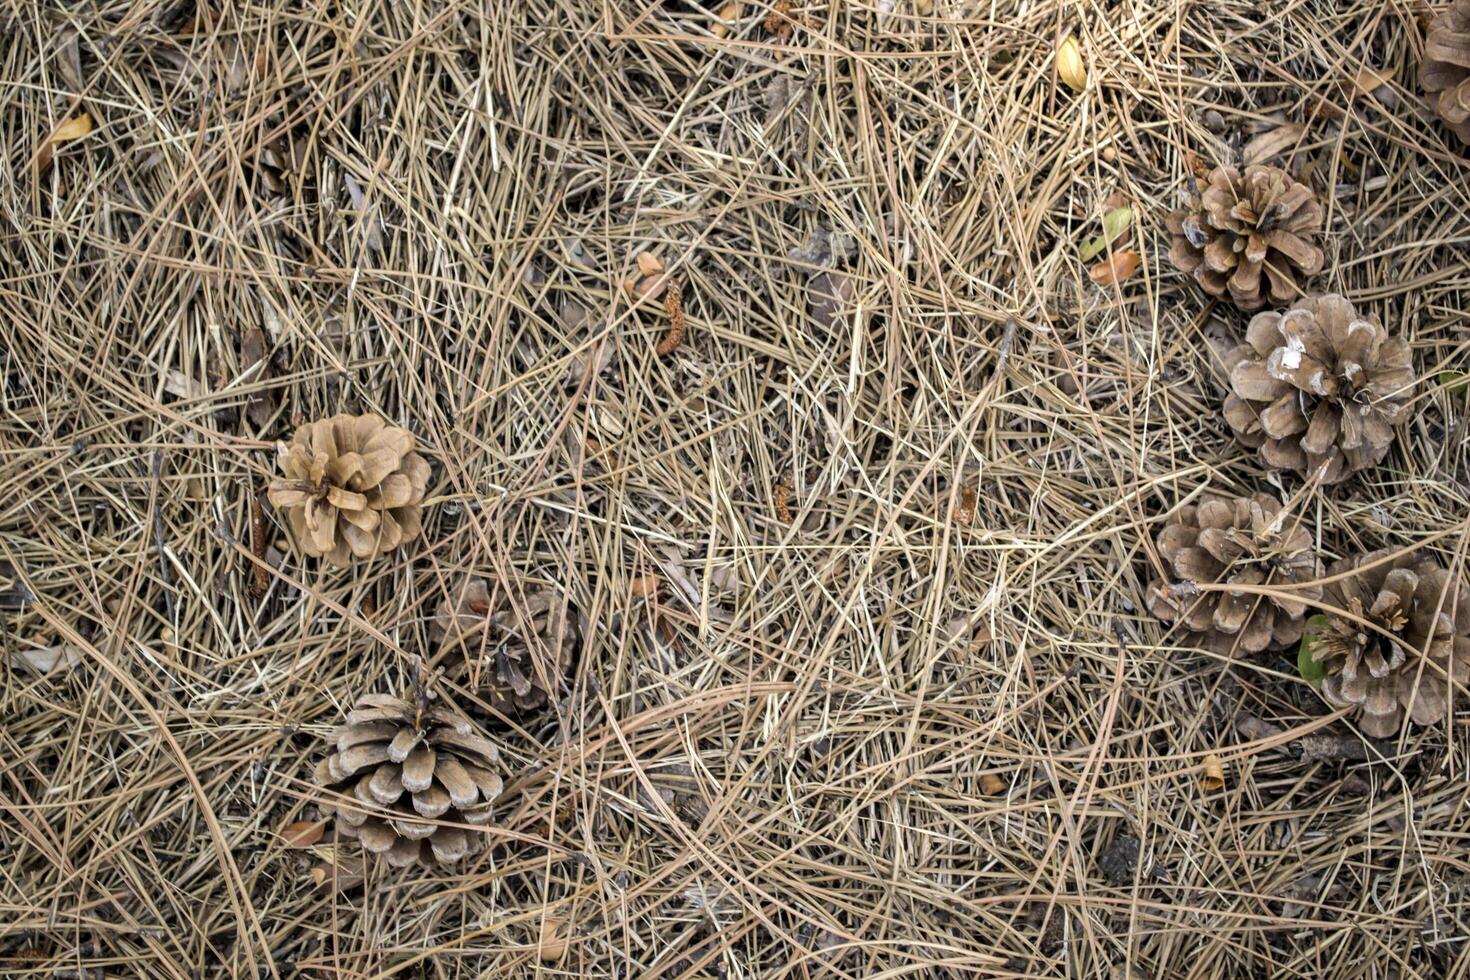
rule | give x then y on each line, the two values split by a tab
412	778
1316	389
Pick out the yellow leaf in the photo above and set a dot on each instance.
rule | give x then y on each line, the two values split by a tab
1070	66
1211	774
72	129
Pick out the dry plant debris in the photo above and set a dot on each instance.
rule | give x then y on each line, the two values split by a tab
775	755
515	655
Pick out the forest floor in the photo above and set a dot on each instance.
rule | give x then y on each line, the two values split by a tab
865	685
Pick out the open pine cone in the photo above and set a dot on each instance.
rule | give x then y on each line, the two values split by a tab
353	487
1428	616
1249	237
423	762
1318	385
1241	541
521	663
1445	71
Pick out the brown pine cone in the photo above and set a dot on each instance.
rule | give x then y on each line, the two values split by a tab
353	487
1246	541
1318	385
423	762
522	665
1445	71
1250	236
1427	618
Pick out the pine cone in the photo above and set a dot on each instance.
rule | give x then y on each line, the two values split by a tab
522	665
1241	228
1241	541
1318	385
352	487
1445	71
1415	601
422	762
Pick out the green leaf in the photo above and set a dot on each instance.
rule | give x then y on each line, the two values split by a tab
1311	670
1454	381
1115	222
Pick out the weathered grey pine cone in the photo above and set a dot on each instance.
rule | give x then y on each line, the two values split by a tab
1247	541
1403	674
523	660
425	763
1249	237
352	487
1318	388
1445	71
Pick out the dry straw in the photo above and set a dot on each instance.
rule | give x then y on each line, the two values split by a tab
875	741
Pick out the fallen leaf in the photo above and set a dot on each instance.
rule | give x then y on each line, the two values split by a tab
42	661
180	385
644	585
1070	66
1454	382
1368	81
553	941
1309	667
649	264
367	216
829	294
261	404
303	833
1272	143
1115	222
1211	774
725	19
70	129
1116	268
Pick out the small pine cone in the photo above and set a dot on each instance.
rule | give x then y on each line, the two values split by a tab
1249	237
522	664
1318	385
1428	614
424	763
353	487
1246	541
1445	71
